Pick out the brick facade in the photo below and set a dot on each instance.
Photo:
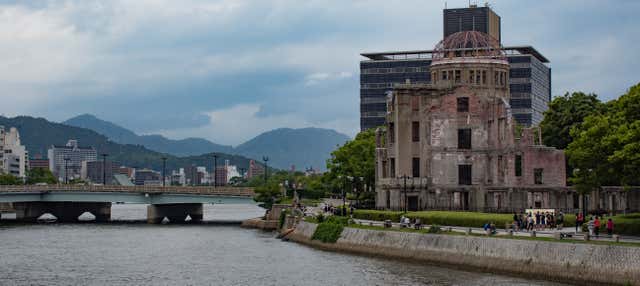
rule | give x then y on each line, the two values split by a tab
456	145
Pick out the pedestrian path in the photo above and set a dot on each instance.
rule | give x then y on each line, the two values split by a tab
568	232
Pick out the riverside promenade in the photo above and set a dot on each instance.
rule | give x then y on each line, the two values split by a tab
583	263
564	233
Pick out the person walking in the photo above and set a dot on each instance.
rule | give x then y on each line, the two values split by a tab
560	220
596	226
590	225
579	222
610	227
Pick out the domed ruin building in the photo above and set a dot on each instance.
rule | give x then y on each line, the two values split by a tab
453	144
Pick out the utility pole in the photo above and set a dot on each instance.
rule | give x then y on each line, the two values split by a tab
104	168
66	170
164	166
266	167
215	169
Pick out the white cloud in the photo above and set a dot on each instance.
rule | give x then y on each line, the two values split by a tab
239	123
316	78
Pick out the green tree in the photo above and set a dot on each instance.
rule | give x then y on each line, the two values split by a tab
40	175
566	112
267	195
8	179
354	159
606	147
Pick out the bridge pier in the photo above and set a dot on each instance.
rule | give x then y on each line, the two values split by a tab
63	211
176	213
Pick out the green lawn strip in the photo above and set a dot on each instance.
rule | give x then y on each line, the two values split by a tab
623	224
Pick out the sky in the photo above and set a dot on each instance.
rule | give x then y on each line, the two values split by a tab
228	70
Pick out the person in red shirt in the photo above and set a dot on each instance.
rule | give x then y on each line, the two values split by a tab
610	227
596	226
579	221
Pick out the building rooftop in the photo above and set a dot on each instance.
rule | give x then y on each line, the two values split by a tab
72	147
428	54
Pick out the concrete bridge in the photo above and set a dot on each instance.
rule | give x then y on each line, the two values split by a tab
68	202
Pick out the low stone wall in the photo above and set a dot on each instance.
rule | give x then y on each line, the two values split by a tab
540	259
259	223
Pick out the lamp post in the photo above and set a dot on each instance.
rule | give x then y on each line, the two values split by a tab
215	169
164	175
104	168
266	167
404	190
66	170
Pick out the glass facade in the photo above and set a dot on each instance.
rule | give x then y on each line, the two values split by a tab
378	77
529	83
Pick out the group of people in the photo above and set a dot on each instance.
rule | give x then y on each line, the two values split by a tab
593	225
537	221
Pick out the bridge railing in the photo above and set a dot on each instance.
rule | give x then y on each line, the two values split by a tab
201	190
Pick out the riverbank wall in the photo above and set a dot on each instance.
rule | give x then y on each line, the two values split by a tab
558	261
260	223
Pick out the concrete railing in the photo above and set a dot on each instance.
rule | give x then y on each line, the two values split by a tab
204	190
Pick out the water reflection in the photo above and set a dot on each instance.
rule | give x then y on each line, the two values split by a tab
141	254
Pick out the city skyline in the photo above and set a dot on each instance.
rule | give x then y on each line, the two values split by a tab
240	68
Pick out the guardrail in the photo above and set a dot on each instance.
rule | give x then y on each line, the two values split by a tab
204	190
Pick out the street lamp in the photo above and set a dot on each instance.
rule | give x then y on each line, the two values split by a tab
344	196
164	175
215	169
66	170
104	168
266	167
404	189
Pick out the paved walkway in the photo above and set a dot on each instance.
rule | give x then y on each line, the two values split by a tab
504	232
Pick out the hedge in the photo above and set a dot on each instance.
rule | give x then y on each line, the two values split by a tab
623	224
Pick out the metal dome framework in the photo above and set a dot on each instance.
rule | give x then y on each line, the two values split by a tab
468	44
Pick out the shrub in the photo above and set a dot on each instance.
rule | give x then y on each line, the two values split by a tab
328	232
434	229
320	218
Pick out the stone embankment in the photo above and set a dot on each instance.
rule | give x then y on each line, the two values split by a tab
260	223
270	221
572	262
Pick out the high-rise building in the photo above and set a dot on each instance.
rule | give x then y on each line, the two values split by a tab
221	176
69	158
255	169
474	18
92	171
146	177
529	73
14	158
38	164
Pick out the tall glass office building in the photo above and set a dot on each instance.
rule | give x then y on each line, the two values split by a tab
529	75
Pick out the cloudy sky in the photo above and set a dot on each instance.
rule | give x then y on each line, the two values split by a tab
228	70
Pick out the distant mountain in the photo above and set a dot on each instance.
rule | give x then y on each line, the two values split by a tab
38	134
159	143
306	147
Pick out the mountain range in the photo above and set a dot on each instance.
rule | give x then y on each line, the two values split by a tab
38	134
304	148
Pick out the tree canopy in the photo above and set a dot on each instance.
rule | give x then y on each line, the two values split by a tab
40	175
566	112
606	147
8	179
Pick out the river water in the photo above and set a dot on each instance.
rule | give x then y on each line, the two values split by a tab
209	254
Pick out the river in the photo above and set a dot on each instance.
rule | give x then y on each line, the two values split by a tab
209	254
